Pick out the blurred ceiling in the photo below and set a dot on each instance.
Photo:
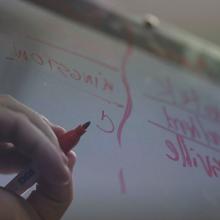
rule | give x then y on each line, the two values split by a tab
200	17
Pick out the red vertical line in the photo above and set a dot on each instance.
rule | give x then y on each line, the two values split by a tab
129	103
122	181
203	130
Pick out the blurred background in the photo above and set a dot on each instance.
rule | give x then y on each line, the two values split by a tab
200	17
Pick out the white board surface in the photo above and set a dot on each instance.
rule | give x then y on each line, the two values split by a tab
153	148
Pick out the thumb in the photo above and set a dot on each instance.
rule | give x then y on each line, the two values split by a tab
15	207
50	200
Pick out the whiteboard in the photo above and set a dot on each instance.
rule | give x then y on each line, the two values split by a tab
153	148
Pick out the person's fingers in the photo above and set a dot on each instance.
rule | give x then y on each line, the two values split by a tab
57	129
71	159
11	160
15	207
53	203
31	142
12	104
55	177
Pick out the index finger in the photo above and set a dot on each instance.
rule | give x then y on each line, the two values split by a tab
12	104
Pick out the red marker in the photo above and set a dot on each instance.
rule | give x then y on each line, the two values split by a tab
68	140
27	177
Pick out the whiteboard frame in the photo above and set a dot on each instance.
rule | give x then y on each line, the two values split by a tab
164	41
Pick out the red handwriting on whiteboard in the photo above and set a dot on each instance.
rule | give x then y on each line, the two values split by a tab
182	97
213	111
187	98
77	54
189	157
214	137
124	79
98	81
95	80
187	126
122	182
107	123
167	92
191	138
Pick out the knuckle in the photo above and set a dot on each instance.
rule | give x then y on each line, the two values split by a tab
4	98
21	122
21	119
7	100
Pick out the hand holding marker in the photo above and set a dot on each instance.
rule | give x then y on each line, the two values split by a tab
29	176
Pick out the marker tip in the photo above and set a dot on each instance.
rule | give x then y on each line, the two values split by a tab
86	125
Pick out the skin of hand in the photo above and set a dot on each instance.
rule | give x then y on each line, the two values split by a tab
27	136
